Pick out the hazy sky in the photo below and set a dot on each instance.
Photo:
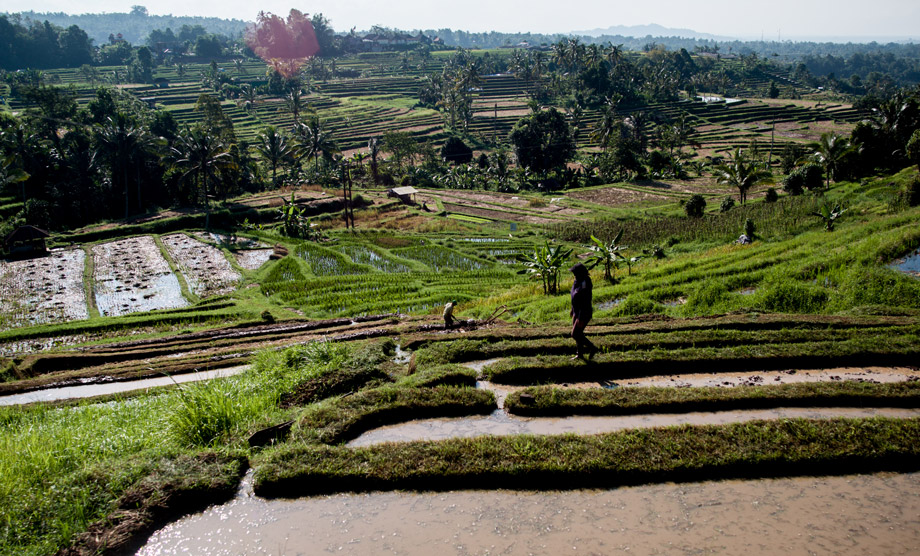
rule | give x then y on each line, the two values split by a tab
744	18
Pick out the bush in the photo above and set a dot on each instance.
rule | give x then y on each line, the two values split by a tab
792	297
455	151
810	176
728	203
771	196
637	305
749	228
695	206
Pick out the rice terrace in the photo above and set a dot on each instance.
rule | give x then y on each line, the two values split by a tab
273	288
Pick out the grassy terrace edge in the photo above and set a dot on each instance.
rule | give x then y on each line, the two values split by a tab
753	449
548	401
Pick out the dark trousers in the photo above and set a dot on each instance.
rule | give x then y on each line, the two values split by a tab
582	343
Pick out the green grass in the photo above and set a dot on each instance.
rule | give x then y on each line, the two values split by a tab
675	453
546	400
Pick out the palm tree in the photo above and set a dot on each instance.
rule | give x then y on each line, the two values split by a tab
202	156
294	101
249	96
314	140
274	149
741	174
605	128
118	139
830	152
373	148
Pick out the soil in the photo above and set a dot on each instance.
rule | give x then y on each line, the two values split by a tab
205	268
614	196
132	276
43	290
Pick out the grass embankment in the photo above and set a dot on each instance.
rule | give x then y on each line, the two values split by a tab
677	453
642	347
547	401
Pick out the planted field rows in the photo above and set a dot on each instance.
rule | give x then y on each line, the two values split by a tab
205	268
46	290
131	275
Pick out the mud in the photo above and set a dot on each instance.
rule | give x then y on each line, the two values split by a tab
43	290
206	270
858	514
131	276
858	374
500	423
253	259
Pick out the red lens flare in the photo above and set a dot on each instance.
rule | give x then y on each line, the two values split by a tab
284	45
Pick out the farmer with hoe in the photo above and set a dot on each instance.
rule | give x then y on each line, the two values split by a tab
582	310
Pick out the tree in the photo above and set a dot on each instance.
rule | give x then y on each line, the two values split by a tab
118	139
545	263
201	155
373	151
400	144
315	140
741	174
607	254
695	206
543	140
456	151
830	151
829	214
274	149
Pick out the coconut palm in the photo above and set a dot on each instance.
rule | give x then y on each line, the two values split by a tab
830	152
373	151
118	139
201	156
741	173
314	140
275	150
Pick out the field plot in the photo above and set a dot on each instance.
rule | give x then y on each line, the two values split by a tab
37	291
205	268
253	259
132	276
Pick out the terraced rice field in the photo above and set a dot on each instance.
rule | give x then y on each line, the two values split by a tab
131	275
43	290
205	268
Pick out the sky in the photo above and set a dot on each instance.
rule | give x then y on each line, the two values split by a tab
777	19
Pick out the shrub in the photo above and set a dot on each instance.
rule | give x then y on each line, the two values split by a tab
771	196
637	305
749	228
456	151
728	203
695	206
785	296
809	176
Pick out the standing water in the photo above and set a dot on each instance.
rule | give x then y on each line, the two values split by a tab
861	514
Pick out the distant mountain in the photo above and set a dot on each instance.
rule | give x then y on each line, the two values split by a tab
652	29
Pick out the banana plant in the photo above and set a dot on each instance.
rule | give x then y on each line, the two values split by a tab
829	215
607	254
545	263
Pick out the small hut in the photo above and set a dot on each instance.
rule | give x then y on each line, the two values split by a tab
404	194
26	241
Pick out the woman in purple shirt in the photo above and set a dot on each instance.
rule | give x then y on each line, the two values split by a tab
582	310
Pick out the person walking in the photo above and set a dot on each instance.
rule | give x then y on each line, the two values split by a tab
582	311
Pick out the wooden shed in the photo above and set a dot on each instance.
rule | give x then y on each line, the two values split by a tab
405	194
26	241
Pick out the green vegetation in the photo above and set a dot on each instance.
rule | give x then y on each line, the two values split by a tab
687	453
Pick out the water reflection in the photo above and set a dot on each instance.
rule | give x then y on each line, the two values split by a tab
862	514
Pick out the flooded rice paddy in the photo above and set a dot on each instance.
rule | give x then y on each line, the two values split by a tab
499	423
205	268
253	259
909	264
875	514
132	276
102	388
43	290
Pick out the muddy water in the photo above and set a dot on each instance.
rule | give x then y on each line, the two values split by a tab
860	514
499	423
44	289
90	390
132	276
859	374
204	266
